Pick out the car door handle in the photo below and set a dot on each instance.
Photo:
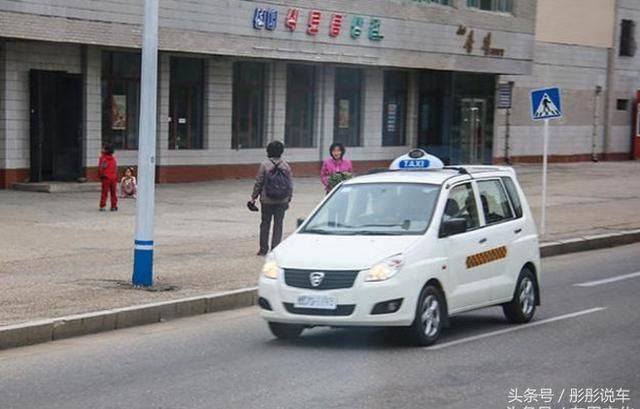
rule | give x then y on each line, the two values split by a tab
482	241
517	231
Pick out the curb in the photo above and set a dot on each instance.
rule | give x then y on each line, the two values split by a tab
587	243
36	332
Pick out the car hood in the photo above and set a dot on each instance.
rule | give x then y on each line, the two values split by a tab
313	251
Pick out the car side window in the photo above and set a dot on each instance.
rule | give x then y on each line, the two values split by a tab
461	203
512	191
495	203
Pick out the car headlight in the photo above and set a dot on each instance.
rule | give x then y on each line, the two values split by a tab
385	269
270	269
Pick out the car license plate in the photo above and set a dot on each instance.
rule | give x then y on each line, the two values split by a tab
316	301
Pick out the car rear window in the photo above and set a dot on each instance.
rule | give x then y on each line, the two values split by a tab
512	191
495	202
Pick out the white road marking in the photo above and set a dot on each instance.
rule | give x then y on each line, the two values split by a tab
515	328
608	280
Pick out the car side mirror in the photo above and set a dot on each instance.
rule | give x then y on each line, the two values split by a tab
299	221
453	226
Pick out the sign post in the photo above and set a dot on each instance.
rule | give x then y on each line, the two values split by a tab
145	203
545	105
545	149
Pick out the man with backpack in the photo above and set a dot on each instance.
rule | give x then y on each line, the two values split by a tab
274	186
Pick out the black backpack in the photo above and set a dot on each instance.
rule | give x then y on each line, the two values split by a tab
277	184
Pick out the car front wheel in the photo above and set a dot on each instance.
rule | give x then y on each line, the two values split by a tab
523	305
430	315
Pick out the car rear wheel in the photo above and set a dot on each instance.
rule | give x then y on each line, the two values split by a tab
285	331
430	315
523	305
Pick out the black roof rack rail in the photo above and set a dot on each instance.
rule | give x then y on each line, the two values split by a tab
382	170
460	169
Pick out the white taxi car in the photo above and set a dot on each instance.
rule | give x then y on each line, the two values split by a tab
409	248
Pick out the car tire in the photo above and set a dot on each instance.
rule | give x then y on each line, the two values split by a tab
285	331
430	316
522	307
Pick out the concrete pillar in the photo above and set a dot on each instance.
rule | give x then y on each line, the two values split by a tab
278	98
373	91
162	141
326	108
3	116
220	104
413	94
93	109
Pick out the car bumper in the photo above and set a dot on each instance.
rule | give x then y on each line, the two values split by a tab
355	304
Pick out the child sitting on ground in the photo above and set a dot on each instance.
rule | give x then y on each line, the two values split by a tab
128	185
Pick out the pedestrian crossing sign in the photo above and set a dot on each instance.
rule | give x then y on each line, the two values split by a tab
546	104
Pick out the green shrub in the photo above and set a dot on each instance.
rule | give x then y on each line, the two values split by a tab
338	177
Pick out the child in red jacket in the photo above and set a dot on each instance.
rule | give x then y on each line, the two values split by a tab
108	172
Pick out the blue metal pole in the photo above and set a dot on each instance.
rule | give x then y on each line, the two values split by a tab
145	203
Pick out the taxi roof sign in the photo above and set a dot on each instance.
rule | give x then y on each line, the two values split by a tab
417	159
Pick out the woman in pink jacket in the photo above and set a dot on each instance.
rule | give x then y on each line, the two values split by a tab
336	163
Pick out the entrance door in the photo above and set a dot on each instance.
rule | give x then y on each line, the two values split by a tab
56	120
473	130
435	114
185	103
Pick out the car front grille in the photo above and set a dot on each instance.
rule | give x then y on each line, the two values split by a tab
332	280
340	311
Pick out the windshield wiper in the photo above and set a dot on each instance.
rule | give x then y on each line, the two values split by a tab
354	232
378	225
376	233
317	231
404	225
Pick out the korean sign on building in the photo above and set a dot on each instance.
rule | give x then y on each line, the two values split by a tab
316	22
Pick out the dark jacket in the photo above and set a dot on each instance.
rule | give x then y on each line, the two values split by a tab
259	188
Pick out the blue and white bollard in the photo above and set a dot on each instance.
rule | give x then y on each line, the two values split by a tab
145	203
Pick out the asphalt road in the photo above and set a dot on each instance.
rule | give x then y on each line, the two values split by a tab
582	337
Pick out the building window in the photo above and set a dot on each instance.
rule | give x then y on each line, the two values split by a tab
505	6
249	90
186	103
627	38
348	105
120	99
622	104
394	109
300	116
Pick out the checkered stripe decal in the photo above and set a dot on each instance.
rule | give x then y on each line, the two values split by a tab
486	257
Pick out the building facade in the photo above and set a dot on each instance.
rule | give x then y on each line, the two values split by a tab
380	76
588	49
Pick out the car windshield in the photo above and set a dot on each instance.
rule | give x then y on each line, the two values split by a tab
376	209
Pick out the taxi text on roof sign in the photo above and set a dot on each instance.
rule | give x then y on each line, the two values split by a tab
417	159
414	164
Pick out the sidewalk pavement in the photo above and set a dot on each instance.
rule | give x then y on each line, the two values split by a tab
60	256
